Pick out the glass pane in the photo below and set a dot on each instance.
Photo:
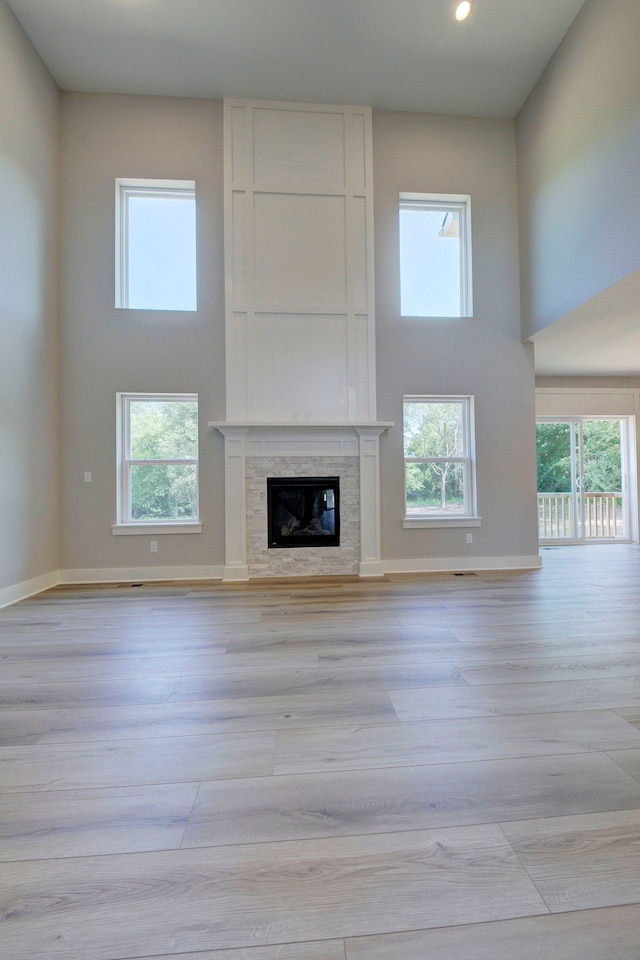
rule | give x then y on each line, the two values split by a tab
601	446
164	492
553	448
602	479
303	512
430	263
162	253
558	514
435	489
434	429
163	429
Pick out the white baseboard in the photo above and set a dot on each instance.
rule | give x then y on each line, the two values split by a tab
371	568
28	588
235	573
137	574
20	591
466	564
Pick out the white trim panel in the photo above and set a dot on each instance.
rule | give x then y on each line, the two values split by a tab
28	588
153	529
586	401
466	564
443	522
136	574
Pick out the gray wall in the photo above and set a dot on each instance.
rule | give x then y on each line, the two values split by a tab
105	350
29	107
578	149
578	140
481	355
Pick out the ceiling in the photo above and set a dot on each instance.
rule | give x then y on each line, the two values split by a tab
599	338
389	54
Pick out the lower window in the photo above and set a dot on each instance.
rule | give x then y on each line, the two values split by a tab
158	459
438	456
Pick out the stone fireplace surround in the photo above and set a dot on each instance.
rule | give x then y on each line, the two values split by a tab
305	561
255	451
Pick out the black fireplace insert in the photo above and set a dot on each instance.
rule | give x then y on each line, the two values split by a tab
303	511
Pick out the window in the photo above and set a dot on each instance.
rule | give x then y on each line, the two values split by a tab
158	462
435	255
156	244
439	461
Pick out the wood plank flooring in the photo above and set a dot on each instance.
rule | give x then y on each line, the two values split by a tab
419	768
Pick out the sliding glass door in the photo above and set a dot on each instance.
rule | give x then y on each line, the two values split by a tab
581	466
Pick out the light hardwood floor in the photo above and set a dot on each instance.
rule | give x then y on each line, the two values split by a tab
420	768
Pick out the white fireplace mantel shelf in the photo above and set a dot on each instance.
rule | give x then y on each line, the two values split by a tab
297	438
299	425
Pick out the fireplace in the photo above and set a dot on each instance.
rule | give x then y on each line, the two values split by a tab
257	452
303	512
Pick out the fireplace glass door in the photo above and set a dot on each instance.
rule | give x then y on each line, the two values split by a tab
303	511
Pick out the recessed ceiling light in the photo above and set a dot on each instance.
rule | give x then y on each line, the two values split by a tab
463	10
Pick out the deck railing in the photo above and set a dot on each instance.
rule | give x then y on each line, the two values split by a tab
603	516
555	516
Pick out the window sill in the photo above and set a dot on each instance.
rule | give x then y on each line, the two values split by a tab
156	529
123	306
437	316
421	522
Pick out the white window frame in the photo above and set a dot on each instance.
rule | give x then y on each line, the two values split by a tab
448	203
127	187
124	524
470	517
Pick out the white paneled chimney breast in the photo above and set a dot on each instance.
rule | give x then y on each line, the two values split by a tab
300	328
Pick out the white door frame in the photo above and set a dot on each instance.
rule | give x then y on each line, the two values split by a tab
627	457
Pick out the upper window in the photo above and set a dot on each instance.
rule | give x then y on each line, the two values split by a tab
158	457
156	244
439	458
435	255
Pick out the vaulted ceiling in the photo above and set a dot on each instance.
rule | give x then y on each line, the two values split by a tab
400	55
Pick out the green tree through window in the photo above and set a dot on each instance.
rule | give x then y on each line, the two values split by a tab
437	457
601	444
162	459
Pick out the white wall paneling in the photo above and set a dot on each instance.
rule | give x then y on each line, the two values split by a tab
299	262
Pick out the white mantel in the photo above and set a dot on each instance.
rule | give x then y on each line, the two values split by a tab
302	440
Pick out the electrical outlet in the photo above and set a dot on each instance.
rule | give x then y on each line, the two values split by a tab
154	546
87	476
469	538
